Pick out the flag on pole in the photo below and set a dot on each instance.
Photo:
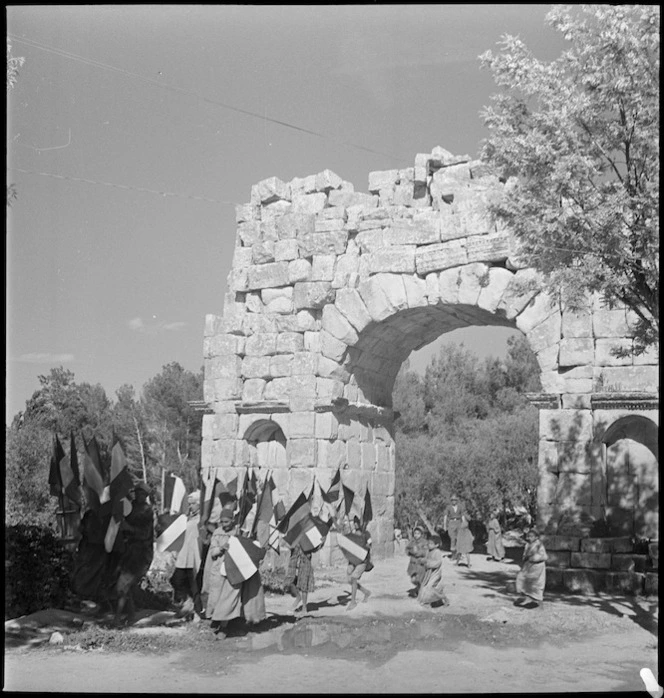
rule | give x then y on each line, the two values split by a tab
69	472
173	527
247	498
264	512
174	495
120	486
334	491
353	547
54	478
228	492
298	510
314	537
367	512
349	497
242	559
93	475
310	498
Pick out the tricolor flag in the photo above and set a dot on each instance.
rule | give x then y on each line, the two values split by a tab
353	547
174	495
242	559
264	513
367	513
334	491
314	537
93	476
247	499
120	486
300	522
299	509
349	497
173	527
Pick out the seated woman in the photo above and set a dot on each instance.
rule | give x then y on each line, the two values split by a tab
432	591
531	578
417	551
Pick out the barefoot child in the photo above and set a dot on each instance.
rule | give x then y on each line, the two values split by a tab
531	578
300	577
354	572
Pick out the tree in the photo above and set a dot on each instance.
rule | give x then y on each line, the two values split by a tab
577	140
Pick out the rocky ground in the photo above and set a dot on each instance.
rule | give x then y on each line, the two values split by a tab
480	643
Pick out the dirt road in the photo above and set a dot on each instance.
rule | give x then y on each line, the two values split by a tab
480	643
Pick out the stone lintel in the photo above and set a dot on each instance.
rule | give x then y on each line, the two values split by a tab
625	401
200	406
265	406
544	401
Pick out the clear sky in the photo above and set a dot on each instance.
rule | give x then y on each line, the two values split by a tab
133	131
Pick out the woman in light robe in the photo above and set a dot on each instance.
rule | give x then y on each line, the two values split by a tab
432	591
494	546
531	578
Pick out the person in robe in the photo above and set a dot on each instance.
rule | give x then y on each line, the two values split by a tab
416	550
453	515
464	543
494	546
531	578
91	562
431	590
185	578
137	530
355	572
300	577
224	600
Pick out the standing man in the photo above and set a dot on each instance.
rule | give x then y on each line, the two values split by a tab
187	564
454	513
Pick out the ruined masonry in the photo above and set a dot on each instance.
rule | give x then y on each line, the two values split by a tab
331	290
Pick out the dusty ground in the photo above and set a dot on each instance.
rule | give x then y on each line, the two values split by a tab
480	643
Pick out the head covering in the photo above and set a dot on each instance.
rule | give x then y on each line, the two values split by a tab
418	528
436	539
356	521
226	513
140	485
194	497
454	498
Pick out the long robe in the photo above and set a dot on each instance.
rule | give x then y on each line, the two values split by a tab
531	578
432	589
464	542
417	551
494	546
224	601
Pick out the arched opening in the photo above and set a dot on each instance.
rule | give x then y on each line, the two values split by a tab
631	465
267	445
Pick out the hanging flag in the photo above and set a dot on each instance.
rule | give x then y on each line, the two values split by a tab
314	537
310	498
72	483
299	509
54	478
173	527
334	491
174	495
120	486
264	512
349	497
93	475
228	492
300	521
367	512
247	498
353	547
242	559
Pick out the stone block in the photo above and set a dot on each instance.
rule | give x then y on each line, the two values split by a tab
575	325
604	349
304	362
253	389
622	562
596	545
332	347
415	291
561	543
349	198
653	554
610	323
322	267
328	225
256	367
369	241
335	322
312	342
554	579
332	243
328	389
576	351
472	279
267	275
651	584
302	425
559	559
286	250
238	280
328	180
299	270
575	402
382	179
294	225
473	214
261	344
440	256
301	453
222	344
245	212
326	426
290	342
398	259
262	252
591	560
566	425
271	211
242	257
576	456
539	309
271	189
432	288
520	292
448	286
629	378
622	544
417	232
548	455
583	581
278	389
493	247
281	365
249	233
368	457
309	203
496	284
219	426
313	294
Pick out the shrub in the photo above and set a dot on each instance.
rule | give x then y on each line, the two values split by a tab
38	570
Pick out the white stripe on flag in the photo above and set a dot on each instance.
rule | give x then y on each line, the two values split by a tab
314	536
179	492
351	548
240	557
169	538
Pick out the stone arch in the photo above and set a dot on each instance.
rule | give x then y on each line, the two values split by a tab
267	445
330	289
630	461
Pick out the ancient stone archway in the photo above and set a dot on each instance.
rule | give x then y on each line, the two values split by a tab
331	289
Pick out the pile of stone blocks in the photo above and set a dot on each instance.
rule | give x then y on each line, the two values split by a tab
590	565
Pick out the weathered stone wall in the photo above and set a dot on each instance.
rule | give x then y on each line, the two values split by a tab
331	290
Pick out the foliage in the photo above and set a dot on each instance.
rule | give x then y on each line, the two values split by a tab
578	141
37	570
478	435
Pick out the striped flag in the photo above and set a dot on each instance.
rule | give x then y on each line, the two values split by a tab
264	513
93	475
334	491
174	496
314	538
173	528
353	547
300	521
247	498
299	509
120	486
367	512
349	497
242	559
69	473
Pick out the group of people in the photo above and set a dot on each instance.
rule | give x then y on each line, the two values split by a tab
426	557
